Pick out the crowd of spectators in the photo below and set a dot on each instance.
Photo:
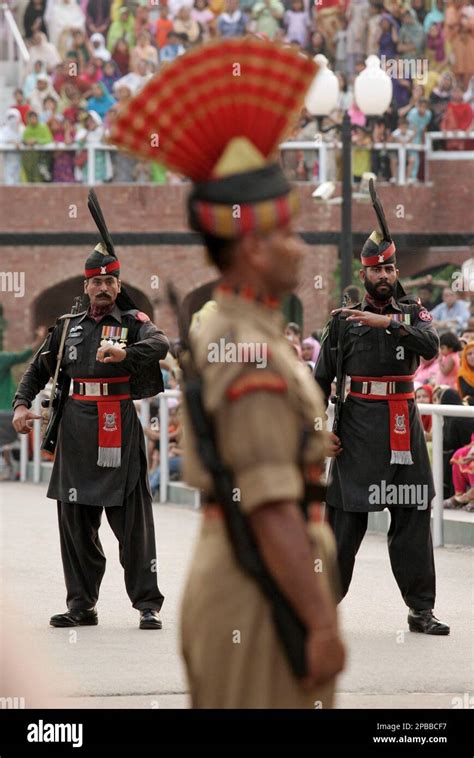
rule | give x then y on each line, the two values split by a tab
89	57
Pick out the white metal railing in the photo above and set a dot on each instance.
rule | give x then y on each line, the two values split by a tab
322	148
436	411
15	43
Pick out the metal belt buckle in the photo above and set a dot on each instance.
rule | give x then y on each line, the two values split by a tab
378	388
93	388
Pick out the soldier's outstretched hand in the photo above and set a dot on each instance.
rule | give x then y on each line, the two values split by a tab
366	318
23	420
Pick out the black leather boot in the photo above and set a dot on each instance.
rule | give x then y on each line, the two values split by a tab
75	618
423	621
149	619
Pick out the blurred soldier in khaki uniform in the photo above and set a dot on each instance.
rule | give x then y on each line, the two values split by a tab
267	413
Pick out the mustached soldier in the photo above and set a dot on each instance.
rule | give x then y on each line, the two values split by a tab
240	97
111	355
380	447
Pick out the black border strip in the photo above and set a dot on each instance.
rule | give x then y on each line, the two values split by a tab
67	239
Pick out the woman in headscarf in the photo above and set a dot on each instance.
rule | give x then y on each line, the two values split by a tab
41	50
121	56
11	135
123	27
34	11
110	75
98	48
63	160
466	374
71	103
62	17
411	37
388	36
101	101
36	164
310	349
435	16
43	89
435	47
93	134
98	16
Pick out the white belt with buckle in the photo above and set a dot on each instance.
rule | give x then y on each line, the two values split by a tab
95	389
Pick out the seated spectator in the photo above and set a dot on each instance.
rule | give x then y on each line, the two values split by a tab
100	100
144	51
435	15
41	50
232	22
121	56
90	76
465	383
411	36
110	75
135	80
204	16
174	47
142	20
439	99
435	48
122	28
44	89
458	116
379	158
404	136
80	52
163	25
63	17
418	119
36	165
267	14
122	94
457	433
21	105
310	349
71	103
462	464
184	23
33	18
30	81
63	160
97	16
426	371
317	44
11	136
459	30
448	360
98	48
424	395
93	133
297	24
452	313
361	151
50	109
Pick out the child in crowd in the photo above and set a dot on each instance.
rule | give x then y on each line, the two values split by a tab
448	360
403	135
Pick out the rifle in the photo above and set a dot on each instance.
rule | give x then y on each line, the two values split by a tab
338	398
60	388
289	627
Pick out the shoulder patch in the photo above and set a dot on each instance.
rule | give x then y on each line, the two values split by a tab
254	381
425	315
140	316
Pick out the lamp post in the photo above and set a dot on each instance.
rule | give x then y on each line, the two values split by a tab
372	94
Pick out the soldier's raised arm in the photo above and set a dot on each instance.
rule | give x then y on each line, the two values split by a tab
421	337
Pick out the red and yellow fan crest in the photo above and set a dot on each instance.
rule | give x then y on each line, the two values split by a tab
187	115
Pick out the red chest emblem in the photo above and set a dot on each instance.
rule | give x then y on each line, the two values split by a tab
425	315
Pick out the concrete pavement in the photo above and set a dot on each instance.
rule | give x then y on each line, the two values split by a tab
115	665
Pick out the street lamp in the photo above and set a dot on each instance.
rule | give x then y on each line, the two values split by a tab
373	95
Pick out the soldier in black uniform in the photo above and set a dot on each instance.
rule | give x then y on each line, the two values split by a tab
380	455
100	457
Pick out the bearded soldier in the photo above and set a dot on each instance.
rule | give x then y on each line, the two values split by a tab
110	355
381	458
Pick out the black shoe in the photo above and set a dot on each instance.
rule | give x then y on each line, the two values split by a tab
149	619
75	618
424	622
